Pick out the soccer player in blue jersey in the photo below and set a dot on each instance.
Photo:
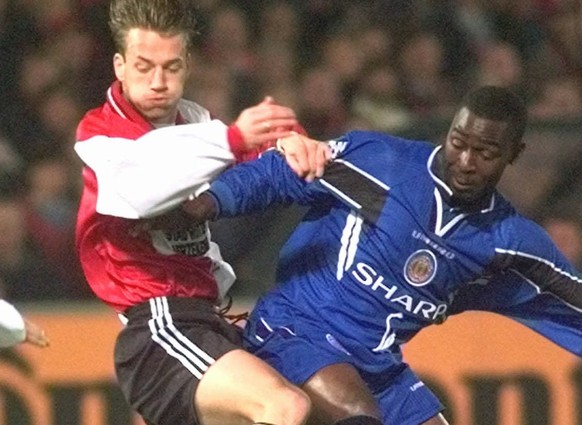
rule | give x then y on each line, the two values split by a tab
400	235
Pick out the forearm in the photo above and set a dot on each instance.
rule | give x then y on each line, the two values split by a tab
154	174
253	187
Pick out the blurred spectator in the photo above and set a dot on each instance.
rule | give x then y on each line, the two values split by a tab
428	91
228	45
18	34
211	85
320	18
51	16
379	101
341	55
82	70
96	78
463	27
39	72
559	99
59	111
279	25
475	21
376	45
322	111
499	63
23	270
276	75
278	50
566	232
49	191
564	28
11	164
516	22
51	206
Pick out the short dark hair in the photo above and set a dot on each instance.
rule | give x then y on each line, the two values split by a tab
170	17
499	104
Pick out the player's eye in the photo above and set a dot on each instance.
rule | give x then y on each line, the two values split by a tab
489	155
175	67
142	67
457	143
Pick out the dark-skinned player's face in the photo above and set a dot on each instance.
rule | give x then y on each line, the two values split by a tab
475	154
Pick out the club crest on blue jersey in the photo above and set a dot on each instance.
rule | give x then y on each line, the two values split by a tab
420	267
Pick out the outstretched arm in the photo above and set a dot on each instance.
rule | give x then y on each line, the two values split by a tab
253	186
161	169
14	329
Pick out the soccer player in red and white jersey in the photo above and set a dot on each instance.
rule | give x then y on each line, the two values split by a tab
146	151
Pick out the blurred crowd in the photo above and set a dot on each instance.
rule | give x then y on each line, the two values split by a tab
389	65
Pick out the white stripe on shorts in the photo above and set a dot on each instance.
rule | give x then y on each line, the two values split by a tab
174	342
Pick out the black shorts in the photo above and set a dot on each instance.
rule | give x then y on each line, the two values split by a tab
163	351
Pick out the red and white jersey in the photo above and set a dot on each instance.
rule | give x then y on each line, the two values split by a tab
132	172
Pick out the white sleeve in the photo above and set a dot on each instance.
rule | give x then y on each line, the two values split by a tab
12	327
151	175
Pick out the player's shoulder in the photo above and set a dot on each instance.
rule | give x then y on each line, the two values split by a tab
380	142
516	231
105	121
94	122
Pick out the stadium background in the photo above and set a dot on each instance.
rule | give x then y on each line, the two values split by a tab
393	65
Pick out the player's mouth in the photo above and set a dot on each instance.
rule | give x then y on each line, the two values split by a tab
463	184
158	101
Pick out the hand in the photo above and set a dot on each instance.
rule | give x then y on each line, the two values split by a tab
200	209
306	157
265	122
191	213
35	335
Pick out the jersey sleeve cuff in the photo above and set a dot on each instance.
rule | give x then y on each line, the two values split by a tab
224	199
236	141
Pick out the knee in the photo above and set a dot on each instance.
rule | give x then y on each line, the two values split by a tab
294	404
285	405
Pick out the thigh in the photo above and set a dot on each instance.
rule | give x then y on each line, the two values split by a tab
239	388
338	391
161	357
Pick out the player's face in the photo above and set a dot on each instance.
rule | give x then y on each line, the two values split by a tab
476	152
153	72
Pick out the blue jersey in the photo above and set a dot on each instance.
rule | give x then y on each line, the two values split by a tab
381	254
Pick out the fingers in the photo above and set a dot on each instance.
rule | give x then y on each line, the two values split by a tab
306	157
297	156
265	122
268	100
35	335
321	158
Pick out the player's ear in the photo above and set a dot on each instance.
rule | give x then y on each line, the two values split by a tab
119	66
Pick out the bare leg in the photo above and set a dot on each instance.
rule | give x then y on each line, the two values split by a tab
337	392
242	389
